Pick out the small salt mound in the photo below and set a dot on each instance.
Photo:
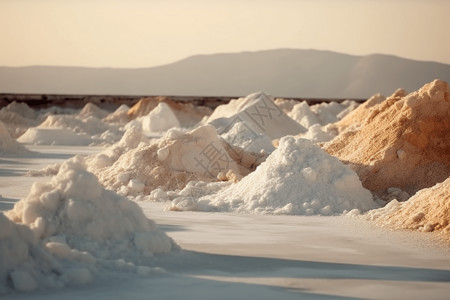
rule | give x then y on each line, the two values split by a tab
75	130
21	109
78	219
286	105
169	163
323	113
187	114
199	151
327	112
259	113
316	134
403	143
92	110
160	119
54	136
18	117
297	178
428	210
119	116
7	143
303	114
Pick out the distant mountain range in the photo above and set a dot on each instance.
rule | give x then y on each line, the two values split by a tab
283	73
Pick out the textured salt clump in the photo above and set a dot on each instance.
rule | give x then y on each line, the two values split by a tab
160	119
404	142
303	114
316	134
297	178
24	263
7	143
428	210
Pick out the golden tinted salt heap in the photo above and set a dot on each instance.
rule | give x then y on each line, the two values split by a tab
428	210
403	143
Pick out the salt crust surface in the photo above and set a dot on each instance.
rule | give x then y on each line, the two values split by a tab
67	230
404	142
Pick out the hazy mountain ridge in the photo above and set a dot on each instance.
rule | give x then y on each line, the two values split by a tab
283	72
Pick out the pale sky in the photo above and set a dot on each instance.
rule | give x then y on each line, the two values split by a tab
145	33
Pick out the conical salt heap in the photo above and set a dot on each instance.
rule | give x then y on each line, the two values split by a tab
404	143
187	113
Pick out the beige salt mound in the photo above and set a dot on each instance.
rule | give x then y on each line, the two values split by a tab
187	113
428	210
136	166
404	142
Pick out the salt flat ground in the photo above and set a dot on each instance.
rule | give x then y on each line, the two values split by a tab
237	256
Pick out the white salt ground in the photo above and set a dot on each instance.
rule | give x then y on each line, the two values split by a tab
265	257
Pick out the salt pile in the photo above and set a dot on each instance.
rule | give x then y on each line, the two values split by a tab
297	178
7	143
260	115
428	210
18	117
136	166
74	219
186	113
315	118
160	119
83	129
404	143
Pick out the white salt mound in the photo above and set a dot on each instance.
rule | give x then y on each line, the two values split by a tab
54	136
7	143
92	110
259	113
160	119
80	222
72	130
297	178
136	167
